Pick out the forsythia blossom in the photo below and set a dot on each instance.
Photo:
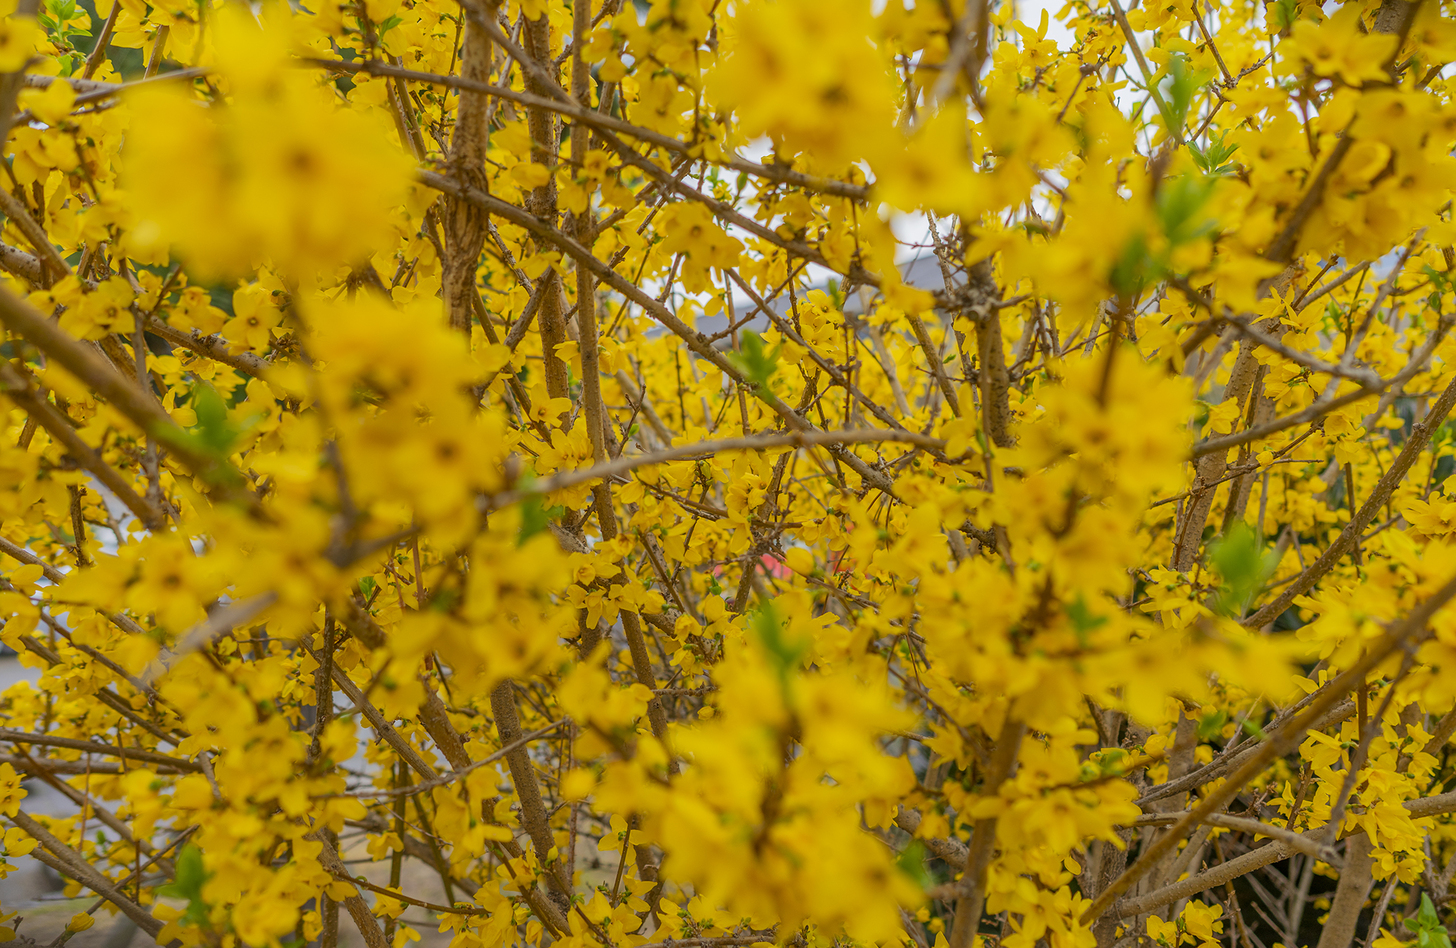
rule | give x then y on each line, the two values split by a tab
723	473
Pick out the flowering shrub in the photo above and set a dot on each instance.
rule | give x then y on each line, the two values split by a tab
519	438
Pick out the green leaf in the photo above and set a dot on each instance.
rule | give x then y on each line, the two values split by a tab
836	295
785	654
214	434
755	361
1083	619
1111	762
1429	931
535	517
1180	205
1211	725
1241	566
1213	159
213	428
1179	87
187	886
1285	13
912	863
1133	269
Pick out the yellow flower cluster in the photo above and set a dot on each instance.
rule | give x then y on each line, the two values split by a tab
602	474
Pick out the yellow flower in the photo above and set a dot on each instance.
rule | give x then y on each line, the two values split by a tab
11	793
53	104
1338	47
17	41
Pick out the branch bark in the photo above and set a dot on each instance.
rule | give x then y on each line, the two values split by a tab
983	840
528	789
1350	895
1275	747
71	863
464	222
1416	443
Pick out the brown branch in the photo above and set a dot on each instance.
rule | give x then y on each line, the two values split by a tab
1257	859
125	753
994	376
829	368
88	367
1393	17
1442	733
1275	747
539	79
19	215
205	633
355	905
1232	756
1416	443
19	390
699	343
433	714
70	862
1321	408
98	52
26	266
71	768
523	775
706	449
949	849
465	223
573	109
215	348
1350	895
450	777
983	840
376	720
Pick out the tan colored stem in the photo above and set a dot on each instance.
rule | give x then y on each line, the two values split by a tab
214	347
382	727
951	850
703	449
523	776
19	391
1257	859
699	343
571	108
19	215
88	366
545	142
465	223
83	872
433	714
26	266
1209	469
90	747
586	304
1350	895
1419	437
994	376
983	840
355	905
1215	800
